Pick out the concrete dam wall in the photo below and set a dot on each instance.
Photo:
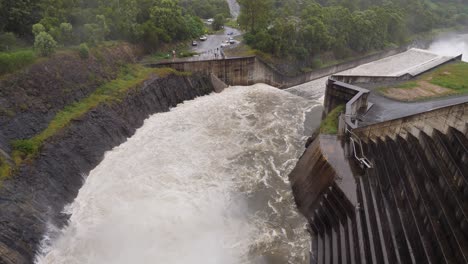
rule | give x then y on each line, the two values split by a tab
410	206
251	70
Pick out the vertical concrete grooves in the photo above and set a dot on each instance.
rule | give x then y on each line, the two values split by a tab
412	206
423	252
390	194
421	169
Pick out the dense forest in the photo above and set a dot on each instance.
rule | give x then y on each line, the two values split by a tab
284	28
70	22
305	28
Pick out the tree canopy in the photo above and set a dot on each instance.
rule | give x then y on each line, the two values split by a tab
306	28
151	22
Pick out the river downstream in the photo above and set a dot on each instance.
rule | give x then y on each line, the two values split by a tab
204	183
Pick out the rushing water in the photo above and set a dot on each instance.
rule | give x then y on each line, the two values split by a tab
451	45
206	183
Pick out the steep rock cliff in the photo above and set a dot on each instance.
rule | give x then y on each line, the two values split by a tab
34	198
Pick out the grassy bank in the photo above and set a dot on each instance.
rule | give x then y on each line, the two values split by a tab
16	60
5	169
330	124
450	79
131	76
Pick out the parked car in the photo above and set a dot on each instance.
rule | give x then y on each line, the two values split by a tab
211	20
194	43
203	38
224	44
230	33
231	41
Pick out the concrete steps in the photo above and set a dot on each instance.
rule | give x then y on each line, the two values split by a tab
412	205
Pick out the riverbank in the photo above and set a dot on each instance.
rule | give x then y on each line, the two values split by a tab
33	197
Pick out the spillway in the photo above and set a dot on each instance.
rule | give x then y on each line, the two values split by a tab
206	182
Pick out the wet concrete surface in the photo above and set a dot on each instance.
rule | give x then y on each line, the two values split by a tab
387	109
335	151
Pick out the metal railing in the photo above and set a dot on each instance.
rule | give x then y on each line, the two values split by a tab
362	159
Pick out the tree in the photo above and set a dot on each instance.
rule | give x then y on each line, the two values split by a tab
66	31
37	28
218	22
45	44
17	16
254	15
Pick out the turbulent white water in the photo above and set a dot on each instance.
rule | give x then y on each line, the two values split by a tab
451	46
204	183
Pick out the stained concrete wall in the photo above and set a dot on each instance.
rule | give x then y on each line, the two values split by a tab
355	99
251	70
311	178
441	119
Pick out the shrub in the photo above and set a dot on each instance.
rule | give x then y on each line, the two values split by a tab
10	62
331	122
37	28
84	51
45	44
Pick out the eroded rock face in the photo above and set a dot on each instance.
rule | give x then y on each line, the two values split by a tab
34	198
29	99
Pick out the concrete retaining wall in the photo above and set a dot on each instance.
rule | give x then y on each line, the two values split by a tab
251	70
441	119
355	98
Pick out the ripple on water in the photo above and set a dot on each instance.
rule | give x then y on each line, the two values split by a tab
204	183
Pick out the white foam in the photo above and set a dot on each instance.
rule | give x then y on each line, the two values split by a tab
203	183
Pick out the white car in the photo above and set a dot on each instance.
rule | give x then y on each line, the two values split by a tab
211	20
224	44
203	38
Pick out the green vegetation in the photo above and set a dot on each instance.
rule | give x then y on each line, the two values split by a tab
330	123
449	79
453	76
12	61
407	85
152	23
304	30
130	77
84	51
218	22
5	169
206	8
45	44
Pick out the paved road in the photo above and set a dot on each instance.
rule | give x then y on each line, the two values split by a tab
387	109
208	47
